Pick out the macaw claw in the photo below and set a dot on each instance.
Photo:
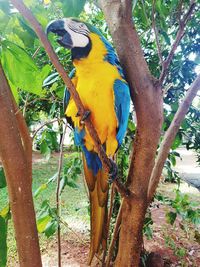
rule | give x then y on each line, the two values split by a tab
113	171
84	117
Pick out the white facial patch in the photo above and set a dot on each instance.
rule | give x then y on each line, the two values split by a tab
78	32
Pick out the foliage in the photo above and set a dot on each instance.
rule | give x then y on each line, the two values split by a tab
178	251
47	141
181	206
147	228
47	218
171	175
71	171
47	221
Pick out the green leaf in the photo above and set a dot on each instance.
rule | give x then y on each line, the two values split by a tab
15	92
60	91
171	217
5	212
47	219
177	142
45	150
131	126
173	160
3	243
181	252
2	178
40	189
72	8
42	222
53	178
51	228
21	70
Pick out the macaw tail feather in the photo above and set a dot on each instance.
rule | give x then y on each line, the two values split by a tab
98	194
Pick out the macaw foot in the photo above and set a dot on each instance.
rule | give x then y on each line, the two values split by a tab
85	115
113	171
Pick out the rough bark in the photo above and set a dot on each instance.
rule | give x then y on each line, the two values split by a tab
147	99
170	135
25	136
18	179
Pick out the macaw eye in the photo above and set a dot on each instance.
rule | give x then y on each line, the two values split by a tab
81	26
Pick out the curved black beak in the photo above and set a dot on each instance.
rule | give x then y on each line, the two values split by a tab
58	27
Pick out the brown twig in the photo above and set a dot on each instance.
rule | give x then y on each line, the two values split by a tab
156	33
125	192
179	36
114	237
43	125
109	220
58	195
67	225
36	52
170	135
31	102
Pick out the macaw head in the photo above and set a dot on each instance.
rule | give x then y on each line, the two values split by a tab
78	36
71	33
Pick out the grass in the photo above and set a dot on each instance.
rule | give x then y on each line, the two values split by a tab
74	203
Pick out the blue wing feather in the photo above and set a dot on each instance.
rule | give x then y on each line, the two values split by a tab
67	93
122	107
111	56
92	158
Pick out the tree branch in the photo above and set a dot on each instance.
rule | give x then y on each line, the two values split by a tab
24	134
54	59
170	135
114	237
58	195
43	125
179	36
12	153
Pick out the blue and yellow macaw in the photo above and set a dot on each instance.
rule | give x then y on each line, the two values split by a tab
99	80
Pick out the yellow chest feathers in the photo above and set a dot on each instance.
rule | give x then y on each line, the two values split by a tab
94	82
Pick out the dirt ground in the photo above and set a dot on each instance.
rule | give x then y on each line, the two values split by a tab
75	251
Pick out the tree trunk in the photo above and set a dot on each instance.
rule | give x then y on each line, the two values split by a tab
147	99
18	176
